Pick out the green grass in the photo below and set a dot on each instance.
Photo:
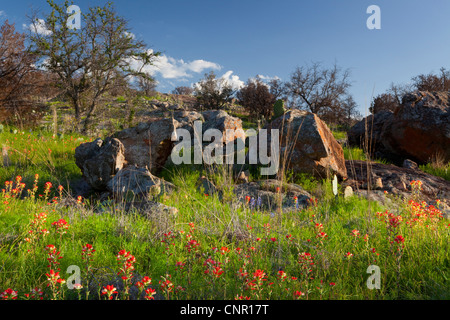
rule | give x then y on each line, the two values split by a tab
230	237
354	153
40	152
338	135
439	171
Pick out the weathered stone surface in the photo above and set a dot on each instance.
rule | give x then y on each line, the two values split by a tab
186	119
219	119
137	181
205	186
267	191
148	144
395	180
367	134
409	164
243	176
419	129
100	160
307	145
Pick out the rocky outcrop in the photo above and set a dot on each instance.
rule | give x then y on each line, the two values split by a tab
100	160
307	145
148	144
221	121
419	129
368	133
137	181
144	150
395	180
265	195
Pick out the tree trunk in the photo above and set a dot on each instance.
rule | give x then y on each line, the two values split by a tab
89	114
76	106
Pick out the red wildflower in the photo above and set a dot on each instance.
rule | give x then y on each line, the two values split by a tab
109	290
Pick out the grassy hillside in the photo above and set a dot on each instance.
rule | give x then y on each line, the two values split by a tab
211	248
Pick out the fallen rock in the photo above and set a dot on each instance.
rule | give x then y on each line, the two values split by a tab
420	127
205	186
6	160
409	164
368	133
148	144
268	192
100	160
395	180
222	121
378	183
137	182
307	145
243	176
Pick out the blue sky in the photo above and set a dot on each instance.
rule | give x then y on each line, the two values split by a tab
241	39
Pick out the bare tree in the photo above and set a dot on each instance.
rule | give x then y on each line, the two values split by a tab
183	90
256	97
399	90
384	102
20	80
277	89
147	85
87	61
432	82
317	89
349	111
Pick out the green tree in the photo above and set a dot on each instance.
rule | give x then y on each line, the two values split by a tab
88	61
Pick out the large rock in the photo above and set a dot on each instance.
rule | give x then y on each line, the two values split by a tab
307	145
148	144
419	129
368	133
395	180
269	194
223	121
137	181
100	160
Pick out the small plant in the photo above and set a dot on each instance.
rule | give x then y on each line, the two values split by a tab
278	109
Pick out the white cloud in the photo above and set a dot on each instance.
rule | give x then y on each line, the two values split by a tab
233	80
130	34
268	78
171	68
227	79
2	13
200	65
38	27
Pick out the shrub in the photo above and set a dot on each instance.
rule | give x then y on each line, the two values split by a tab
278	109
